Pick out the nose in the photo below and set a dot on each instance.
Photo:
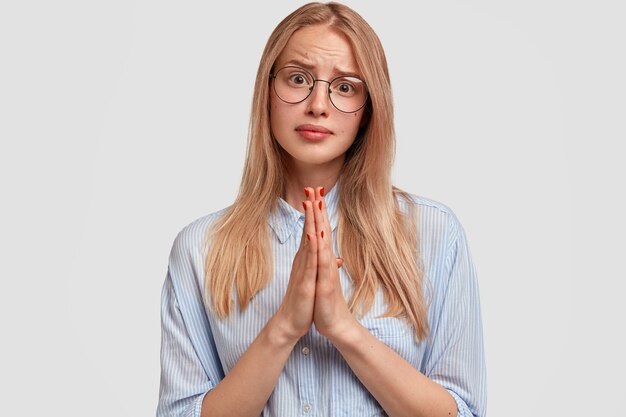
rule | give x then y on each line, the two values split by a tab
318	103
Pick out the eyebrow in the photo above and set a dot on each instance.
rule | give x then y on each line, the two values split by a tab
311	67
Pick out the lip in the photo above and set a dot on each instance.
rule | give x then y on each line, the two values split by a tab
313	132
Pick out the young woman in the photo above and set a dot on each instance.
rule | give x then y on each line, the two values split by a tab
323	290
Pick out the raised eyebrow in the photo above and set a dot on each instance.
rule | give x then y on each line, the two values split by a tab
298	63
309	67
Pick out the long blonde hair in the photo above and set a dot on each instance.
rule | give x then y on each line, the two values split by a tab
379	243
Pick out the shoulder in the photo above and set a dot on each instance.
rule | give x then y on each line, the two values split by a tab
422	202
186	260
429	211
191	238
439	228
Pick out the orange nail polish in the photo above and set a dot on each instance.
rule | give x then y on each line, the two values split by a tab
322	192
306	192
304	205
320	205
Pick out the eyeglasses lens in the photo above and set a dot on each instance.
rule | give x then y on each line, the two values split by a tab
293	85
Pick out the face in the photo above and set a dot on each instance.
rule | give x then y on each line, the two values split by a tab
313	132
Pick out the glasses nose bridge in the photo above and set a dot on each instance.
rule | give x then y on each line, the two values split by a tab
315	81
327	96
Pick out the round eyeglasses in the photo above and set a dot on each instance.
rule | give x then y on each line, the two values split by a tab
347	93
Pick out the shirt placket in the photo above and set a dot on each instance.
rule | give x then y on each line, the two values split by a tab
307	376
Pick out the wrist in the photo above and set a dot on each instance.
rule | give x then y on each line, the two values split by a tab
280	334
347	335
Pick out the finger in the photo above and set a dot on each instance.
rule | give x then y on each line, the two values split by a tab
318	217
308	234
324	257
339	262
324	248
311	257
322	228
310	193
319	195
307	254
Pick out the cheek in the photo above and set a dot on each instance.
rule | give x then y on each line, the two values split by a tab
273	101
274	114
277	108
351	123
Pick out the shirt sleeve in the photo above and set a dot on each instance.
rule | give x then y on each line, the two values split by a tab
190	365
457	359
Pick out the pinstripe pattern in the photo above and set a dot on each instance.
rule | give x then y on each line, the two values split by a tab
197	349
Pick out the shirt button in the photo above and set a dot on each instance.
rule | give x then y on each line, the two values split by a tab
305	351
306	408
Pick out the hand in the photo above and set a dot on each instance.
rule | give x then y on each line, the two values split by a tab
331	314
295	313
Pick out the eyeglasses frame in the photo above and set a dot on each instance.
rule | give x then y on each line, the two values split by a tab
315	80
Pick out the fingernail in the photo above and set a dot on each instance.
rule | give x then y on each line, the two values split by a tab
306	192
304	205
322	192
322	234
320	205
308	237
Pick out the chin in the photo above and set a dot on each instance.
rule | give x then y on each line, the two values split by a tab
318	154
316	159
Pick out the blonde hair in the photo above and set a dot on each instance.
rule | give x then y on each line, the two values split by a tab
378	242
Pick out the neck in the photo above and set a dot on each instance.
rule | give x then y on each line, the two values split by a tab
300	175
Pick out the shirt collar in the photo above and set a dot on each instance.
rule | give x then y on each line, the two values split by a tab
284	219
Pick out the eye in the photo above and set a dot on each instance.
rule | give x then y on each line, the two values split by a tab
345	88
298	79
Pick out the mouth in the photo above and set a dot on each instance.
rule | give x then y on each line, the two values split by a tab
313	132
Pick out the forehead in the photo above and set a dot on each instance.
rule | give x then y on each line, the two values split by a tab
319	47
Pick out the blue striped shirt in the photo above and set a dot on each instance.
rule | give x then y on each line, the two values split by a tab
198	349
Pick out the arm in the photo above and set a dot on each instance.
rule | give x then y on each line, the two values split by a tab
453	382
455	368
192	380
456	359
398	387
186	389
190	364
247	387
184	380
192	383
249	384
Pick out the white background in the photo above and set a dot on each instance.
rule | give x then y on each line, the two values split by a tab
122	121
